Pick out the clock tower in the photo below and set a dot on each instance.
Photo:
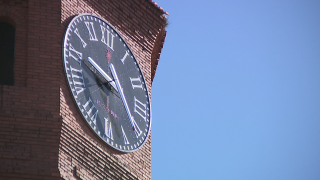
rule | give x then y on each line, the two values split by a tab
75	88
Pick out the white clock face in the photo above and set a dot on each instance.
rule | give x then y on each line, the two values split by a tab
106	83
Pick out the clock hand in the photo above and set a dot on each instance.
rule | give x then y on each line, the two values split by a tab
104	75
114	74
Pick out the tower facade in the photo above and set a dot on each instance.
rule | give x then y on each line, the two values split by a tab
43	133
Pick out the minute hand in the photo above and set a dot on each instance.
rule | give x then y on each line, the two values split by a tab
114	74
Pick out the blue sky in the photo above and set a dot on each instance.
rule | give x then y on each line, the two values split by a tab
237	91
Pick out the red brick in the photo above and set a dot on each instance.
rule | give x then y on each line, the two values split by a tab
42	134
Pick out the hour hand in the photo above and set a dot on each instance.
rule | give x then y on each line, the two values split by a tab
102	73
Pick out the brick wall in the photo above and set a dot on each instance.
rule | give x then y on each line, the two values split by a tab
82	153
42	134
30	123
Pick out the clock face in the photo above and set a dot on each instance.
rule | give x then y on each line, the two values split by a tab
107	83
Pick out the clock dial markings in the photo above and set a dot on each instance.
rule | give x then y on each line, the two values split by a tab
91	31
140	108
73	53
125	56
77	80
125	139
137	130
109	42
91	111
136	82
108	128
84	44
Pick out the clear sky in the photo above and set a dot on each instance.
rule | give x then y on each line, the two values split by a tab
237	91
